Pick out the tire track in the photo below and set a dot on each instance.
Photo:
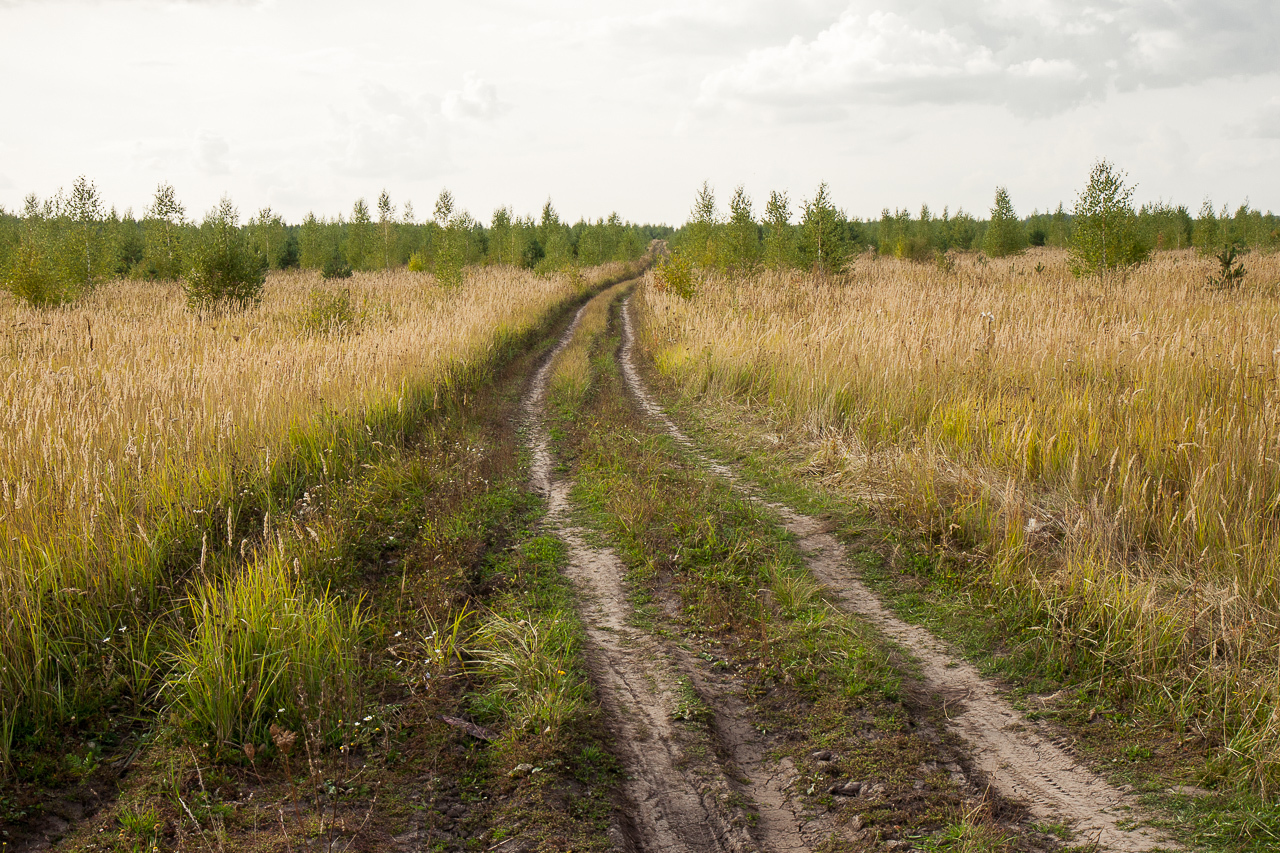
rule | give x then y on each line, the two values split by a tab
1020	762
675	804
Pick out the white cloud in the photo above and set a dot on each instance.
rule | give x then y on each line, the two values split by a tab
476	100
1035	58
211	153
389	135
1266	124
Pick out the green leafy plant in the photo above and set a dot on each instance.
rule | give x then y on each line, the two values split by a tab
223	269
329	312
674	272
1105	233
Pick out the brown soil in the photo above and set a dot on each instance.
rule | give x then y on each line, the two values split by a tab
1019	759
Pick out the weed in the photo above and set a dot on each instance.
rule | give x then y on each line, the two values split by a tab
527	666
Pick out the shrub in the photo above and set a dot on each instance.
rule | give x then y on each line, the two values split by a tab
33	277
418	262
675	273
222	268
329	312
1230	273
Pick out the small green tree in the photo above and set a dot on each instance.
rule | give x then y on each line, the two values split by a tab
743	233
1005	235
387	227
223	268
779	235
701	243
1105	233
554	243
823	247
313	248
451	256
163	223
84	245
269	237
359	244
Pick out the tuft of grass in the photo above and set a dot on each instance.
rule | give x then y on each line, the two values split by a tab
529	669
264	649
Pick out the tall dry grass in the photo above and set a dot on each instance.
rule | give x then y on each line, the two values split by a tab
1111	448
128	422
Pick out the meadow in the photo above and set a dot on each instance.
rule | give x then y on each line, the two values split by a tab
148	460
1100	453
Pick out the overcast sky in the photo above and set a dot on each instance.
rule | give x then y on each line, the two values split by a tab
602	106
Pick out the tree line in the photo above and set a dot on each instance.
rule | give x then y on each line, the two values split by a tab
56	249
1102	229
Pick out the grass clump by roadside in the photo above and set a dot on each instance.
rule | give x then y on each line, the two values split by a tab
265	650
719	574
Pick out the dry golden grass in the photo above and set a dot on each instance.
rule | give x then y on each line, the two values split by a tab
1110	448
126	415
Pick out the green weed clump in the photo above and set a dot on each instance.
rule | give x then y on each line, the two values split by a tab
527	665
329	312
262	649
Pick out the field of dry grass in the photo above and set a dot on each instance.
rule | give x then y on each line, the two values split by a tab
1109	449
128	422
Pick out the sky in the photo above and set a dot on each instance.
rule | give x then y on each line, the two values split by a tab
601	106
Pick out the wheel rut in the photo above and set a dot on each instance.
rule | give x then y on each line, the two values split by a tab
1021	762
676	799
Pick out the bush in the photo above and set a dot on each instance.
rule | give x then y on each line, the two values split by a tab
675	273
1230	273
33	277
418	262
222	268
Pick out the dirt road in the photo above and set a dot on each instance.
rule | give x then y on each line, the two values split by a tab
679	799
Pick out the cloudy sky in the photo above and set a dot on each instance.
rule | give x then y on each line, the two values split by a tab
602	106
